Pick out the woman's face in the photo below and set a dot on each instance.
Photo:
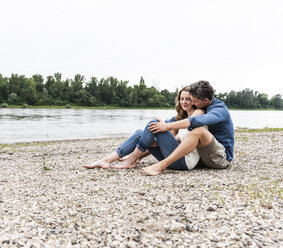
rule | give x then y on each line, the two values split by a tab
185	101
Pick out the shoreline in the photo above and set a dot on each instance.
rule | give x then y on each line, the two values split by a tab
47	199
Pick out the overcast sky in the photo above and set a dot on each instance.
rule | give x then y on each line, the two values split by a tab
234	44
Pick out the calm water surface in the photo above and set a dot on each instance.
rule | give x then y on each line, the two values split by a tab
24	125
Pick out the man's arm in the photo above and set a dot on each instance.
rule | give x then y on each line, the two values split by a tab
162	126
214	116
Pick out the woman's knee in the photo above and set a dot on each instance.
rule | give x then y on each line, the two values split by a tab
138	133
152	121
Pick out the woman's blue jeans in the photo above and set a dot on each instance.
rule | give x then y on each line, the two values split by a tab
142	139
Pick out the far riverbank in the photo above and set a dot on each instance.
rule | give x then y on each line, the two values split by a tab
115	107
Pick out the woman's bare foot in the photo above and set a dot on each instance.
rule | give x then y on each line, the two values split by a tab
105	162
100	164
153	170
126	164
123	158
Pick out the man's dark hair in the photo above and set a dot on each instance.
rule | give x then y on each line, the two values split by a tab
201	90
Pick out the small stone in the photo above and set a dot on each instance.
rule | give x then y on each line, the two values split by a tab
212	208
222	244
72	212
177	227
74	241
22	242
119	238
189	228
4	238
132	244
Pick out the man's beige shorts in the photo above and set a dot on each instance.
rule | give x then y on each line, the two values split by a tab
213	155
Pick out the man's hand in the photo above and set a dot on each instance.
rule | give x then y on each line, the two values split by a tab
156	127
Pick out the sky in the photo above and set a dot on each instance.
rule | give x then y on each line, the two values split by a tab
233	44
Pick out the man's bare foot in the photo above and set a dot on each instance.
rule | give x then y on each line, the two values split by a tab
99	164
153	170
126	164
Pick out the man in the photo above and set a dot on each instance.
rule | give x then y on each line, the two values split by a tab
215	144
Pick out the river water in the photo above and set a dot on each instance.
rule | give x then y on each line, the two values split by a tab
25	125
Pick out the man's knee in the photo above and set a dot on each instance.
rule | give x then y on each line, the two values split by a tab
200	131
204	136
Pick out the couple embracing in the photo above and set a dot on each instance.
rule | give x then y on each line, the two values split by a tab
201	132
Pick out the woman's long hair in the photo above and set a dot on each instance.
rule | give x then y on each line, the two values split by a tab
181	114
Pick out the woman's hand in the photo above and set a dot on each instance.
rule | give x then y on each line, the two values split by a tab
160	126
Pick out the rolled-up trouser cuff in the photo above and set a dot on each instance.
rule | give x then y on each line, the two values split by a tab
119	153
141	146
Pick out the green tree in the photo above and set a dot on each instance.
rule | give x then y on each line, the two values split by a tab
93	92
29	91
57	89
232	99
263	101
4	89
246	99
121	91
169	97
16	85
78	94
277	102
39	82
142	80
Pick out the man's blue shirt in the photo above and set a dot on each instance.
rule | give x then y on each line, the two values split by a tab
220	125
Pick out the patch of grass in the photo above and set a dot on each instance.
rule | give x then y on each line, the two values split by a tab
22	217
264	194
19	145
258	130
147	185
45	168
244	138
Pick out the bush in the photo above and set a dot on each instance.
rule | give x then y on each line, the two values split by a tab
12	98
58	103
4	105
68	106
24	105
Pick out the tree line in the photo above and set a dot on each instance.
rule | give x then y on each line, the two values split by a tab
56	91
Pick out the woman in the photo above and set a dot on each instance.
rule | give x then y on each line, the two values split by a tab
160	145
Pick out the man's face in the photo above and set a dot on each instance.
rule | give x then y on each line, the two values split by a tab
200	103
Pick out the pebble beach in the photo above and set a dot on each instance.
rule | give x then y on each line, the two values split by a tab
47	199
